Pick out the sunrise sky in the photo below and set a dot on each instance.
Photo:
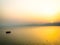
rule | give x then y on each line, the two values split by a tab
30	11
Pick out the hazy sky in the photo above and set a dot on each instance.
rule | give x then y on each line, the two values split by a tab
31	10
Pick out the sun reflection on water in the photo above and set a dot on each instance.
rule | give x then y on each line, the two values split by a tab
45	34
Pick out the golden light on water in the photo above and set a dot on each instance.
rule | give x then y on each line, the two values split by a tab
50	33
45	34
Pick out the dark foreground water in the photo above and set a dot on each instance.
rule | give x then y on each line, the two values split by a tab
45	35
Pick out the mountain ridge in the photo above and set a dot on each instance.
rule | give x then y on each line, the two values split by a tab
44	24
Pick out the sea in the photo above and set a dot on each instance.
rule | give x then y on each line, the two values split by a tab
30	35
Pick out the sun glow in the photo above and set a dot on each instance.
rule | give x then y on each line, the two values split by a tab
47	8
48	12
39	10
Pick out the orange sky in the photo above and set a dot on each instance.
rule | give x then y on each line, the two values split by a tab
32	11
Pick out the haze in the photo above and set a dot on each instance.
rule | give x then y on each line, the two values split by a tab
30	11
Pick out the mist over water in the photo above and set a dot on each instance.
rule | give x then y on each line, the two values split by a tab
30	35
30	22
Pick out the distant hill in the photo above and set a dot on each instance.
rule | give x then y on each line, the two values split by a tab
52	24
46	24
19	25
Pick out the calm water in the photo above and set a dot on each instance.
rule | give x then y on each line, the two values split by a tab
31	35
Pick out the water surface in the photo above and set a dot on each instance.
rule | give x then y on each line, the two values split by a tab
31	35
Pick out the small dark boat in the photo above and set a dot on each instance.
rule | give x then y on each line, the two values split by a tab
8	32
